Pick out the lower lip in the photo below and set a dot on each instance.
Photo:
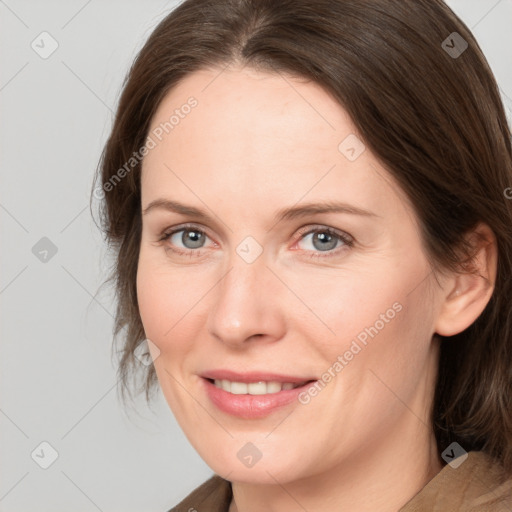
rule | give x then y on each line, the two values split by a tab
252	406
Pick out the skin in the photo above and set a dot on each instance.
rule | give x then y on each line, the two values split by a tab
254	144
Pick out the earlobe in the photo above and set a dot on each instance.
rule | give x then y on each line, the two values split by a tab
469	292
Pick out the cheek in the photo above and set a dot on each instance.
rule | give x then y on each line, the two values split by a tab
345	305
152	301
164	306
172	304
376	362
165	297
395	361
378	320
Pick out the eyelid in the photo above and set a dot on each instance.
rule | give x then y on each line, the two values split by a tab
167	233
311	228
347	239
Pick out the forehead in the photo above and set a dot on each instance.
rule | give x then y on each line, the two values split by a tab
263	110
269	138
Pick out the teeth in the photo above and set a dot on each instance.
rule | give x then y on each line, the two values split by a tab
239	388
254	388
273	387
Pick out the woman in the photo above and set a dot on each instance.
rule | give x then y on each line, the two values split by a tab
307	203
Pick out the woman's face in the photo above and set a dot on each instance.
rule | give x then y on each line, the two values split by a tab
297	263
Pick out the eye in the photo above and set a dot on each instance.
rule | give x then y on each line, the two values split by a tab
188	240
324	240
185	240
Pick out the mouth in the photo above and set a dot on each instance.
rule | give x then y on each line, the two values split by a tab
255	388
251	396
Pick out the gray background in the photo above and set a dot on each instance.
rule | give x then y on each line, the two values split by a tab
58	384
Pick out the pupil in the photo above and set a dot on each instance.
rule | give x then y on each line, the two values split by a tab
192	236
325	238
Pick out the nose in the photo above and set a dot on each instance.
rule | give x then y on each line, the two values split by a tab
246	305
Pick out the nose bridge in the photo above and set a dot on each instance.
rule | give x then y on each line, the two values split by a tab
244	303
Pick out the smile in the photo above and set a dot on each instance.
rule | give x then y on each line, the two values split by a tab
255	388
252	395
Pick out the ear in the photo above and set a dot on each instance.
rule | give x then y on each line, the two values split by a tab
467	294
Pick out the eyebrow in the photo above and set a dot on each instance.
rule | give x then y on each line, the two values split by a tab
285	214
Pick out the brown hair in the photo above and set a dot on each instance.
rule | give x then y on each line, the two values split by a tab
433	118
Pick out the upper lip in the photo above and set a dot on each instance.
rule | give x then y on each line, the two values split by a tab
253	376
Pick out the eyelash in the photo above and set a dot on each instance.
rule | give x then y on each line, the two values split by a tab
347	240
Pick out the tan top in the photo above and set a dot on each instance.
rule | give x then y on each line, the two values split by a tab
477	485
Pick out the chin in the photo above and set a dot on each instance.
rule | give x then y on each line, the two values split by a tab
241	462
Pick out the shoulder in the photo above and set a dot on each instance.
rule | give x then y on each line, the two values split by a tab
213	495
476	483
